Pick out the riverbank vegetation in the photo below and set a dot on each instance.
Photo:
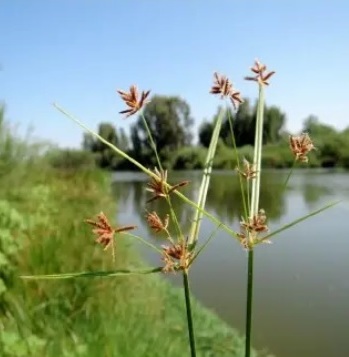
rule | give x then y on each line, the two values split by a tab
44	199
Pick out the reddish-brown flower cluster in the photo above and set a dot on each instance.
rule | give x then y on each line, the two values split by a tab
248	171
176	257
133	101
262	76
301	145
104	231
251	228
159	186
224	87
155	222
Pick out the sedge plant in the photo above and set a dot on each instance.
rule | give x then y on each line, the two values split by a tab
183	248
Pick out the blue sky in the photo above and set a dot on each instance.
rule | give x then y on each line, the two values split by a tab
77	53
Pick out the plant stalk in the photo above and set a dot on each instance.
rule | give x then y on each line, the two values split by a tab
249	303
189	314
256	182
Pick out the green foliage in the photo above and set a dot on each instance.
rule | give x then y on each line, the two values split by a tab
12	227
88	317
104	156
205	133
189	158
169	123
71	159
14	345
225	159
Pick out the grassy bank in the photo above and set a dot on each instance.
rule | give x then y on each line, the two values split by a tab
41	215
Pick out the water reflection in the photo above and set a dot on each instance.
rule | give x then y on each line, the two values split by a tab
224	198
302	287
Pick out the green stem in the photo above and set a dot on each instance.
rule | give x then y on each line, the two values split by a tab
189	314
152	142
249	303
289	174
256	182
245	204
257	153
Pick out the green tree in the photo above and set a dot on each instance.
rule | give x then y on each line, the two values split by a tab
205	133
274	121
123	140
170	124
105	156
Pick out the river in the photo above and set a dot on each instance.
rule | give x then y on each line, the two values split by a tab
301	300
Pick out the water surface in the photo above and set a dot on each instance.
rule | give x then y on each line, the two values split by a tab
301	305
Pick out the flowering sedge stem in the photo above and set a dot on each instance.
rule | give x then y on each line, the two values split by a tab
237	162
189	314
249	303
257	154
253	211
248	195
152	142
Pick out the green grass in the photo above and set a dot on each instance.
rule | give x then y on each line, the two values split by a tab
122	316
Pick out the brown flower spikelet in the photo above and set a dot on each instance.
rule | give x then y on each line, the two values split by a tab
158	185
133	101
223	86
248	171
251	229
104	231
176	257
262	76
155	222
300	146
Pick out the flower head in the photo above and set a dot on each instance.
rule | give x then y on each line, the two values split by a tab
104	231
133	101
159	186
301	145
156	223
251	228
236	99
262	76
176	257
256	223
224	87
248	171
221	85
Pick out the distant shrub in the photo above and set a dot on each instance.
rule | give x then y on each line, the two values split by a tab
277	156
71	159
246	152
225	158
189	158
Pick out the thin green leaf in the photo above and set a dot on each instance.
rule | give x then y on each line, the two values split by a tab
145	170
289	174
213	234
289	225
93	274
145	242
244	202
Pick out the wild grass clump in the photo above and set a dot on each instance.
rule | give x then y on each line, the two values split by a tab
71	159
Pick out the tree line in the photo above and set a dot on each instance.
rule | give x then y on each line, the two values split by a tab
171	125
